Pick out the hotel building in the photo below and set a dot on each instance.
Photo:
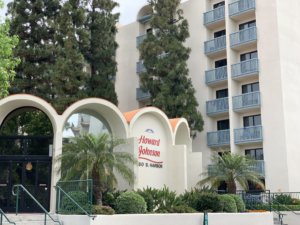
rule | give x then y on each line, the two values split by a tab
245	67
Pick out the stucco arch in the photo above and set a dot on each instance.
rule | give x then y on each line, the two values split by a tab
181	132
100	107
160	115
13	102
144	11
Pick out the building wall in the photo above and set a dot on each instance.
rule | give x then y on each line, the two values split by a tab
278	57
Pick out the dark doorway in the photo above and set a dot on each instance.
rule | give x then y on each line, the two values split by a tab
26	139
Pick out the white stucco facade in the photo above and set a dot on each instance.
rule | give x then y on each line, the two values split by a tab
161	146
262	50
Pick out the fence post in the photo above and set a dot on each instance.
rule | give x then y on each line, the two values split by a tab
270	202
205	219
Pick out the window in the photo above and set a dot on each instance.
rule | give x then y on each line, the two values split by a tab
149	31
223	124
219	33
256	153
220	4
248	56
248	88
247	25
222	93
250	121
220	63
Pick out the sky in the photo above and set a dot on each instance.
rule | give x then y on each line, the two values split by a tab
127	8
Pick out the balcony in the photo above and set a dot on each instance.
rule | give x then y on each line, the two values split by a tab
217	107
215	47
140	68
242	9
216	76
214	18
243	39
145	18
142	95
245	69
140	39
219	138
258	167
248	135
245	102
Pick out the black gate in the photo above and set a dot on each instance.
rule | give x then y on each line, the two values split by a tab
25	160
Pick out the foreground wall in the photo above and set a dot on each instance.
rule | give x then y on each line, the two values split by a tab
174	219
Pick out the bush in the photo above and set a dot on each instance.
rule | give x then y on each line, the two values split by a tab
283	199
296	201
240	205
100	209
228	203
181	209
130	203
150	196
208	202
69	207
109	198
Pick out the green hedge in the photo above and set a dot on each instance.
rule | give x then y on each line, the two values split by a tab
240	205
228	203
208	202
104	210
130	203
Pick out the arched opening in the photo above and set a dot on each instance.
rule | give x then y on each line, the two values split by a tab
26	139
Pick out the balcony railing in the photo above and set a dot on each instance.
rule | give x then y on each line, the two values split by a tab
245	68
216	75
142	95
244	36
140	68
218	138
217	106
214	15
145	19
140	39
248	135
246	101
215	45
241	6
259	167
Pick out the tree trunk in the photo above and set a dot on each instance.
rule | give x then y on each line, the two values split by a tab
231	187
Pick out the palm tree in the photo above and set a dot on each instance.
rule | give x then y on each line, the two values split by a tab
231	169
90	156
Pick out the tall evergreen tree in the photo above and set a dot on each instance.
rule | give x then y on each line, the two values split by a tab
165	56
32	21
68	76
99	49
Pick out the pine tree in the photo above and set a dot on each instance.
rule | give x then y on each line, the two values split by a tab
99	49
68	76
165	56
32	21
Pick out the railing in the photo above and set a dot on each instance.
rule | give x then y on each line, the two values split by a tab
217	106
245	101
248	135
214	15
61	191
2	214
259	167
216	75
215	45
144	19
142	95
218	138
140	68
243	36
245	68
16	192
241	6
140	39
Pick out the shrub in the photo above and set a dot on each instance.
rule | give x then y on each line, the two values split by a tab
296	201
109	198
69	207
208	202
100	209
240	205
283	199
181	209
150	196
228	203
130	203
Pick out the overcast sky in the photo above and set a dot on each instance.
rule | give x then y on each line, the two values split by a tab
128	9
